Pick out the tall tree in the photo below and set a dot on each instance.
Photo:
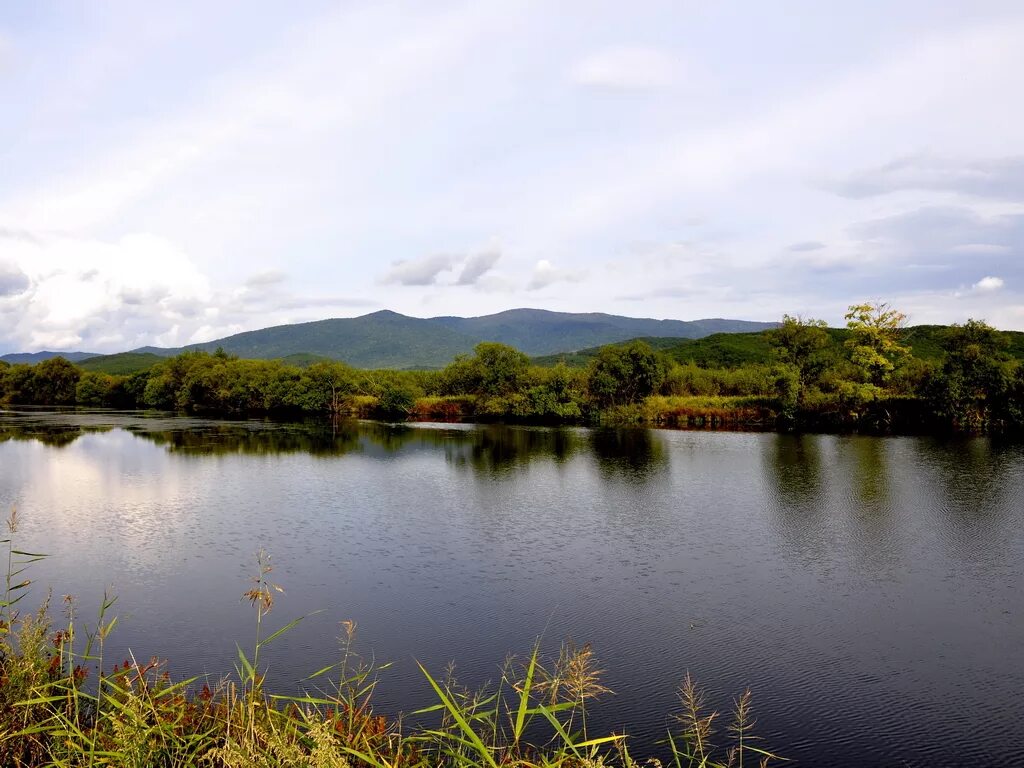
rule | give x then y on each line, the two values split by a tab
626	374
973	375
874	340
803	344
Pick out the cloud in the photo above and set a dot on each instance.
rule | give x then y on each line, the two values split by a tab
477	266
270	277
419	271
139	290
545	274
12	280
939	230
806	245
981	248
1001	178
988	284
11	233
626	68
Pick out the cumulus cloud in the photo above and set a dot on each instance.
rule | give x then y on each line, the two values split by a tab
626	68
988	284
139	290
12	280
545	273
477	266
1000	178
423	271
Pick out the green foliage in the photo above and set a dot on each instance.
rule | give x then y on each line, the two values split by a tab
121	364
625	375
866	376
973	377
874	341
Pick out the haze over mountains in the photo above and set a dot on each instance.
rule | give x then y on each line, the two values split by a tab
387	339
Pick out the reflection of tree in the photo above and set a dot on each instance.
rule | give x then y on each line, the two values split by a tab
870	473
632	454
794	469
794	489
56	437
221	439
496	448
975	476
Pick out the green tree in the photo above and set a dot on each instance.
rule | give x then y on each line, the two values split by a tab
972	377
95	389
806	346
622	375
54	382
874	342
502	369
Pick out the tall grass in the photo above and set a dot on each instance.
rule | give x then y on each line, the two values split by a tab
61	706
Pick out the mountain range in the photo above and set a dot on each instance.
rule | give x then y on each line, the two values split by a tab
388	339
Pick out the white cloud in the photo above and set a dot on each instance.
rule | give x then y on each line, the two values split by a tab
988	284
419	271
545	273
109	296
627	68
477	266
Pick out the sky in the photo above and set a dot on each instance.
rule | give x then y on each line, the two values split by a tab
177	172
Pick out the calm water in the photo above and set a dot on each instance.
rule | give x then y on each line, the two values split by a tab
869	591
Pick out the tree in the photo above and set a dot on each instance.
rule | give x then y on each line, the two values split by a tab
54	382
622	375
804	345
874	341
973	374
502	369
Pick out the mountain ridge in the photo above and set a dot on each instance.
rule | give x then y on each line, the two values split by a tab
388	339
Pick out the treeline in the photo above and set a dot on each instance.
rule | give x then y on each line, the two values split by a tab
869	380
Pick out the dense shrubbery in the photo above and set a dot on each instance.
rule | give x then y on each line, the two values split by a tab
816	377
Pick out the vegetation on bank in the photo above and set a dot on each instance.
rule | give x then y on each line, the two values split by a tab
872	375
62	703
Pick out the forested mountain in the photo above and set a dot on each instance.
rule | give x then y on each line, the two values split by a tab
379	340
539	332
732	350
31	358
389	340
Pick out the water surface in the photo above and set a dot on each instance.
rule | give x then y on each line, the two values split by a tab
868	590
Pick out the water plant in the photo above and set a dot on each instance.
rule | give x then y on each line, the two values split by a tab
60	706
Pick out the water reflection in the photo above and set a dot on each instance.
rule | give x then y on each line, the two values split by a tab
633	454
630	454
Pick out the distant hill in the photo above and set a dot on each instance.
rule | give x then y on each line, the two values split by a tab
731	350
719	350
121	364
379	340
389	340
31	358
539	332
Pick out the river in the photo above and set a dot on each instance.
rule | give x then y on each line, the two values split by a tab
869	591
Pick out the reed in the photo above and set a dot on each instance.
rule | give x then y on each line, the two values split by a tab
61	706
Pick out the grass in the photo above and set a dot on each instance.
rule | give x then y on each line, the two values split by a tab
61	706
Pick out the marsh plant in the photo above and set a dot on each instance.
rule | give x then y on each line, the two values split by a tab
60	705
